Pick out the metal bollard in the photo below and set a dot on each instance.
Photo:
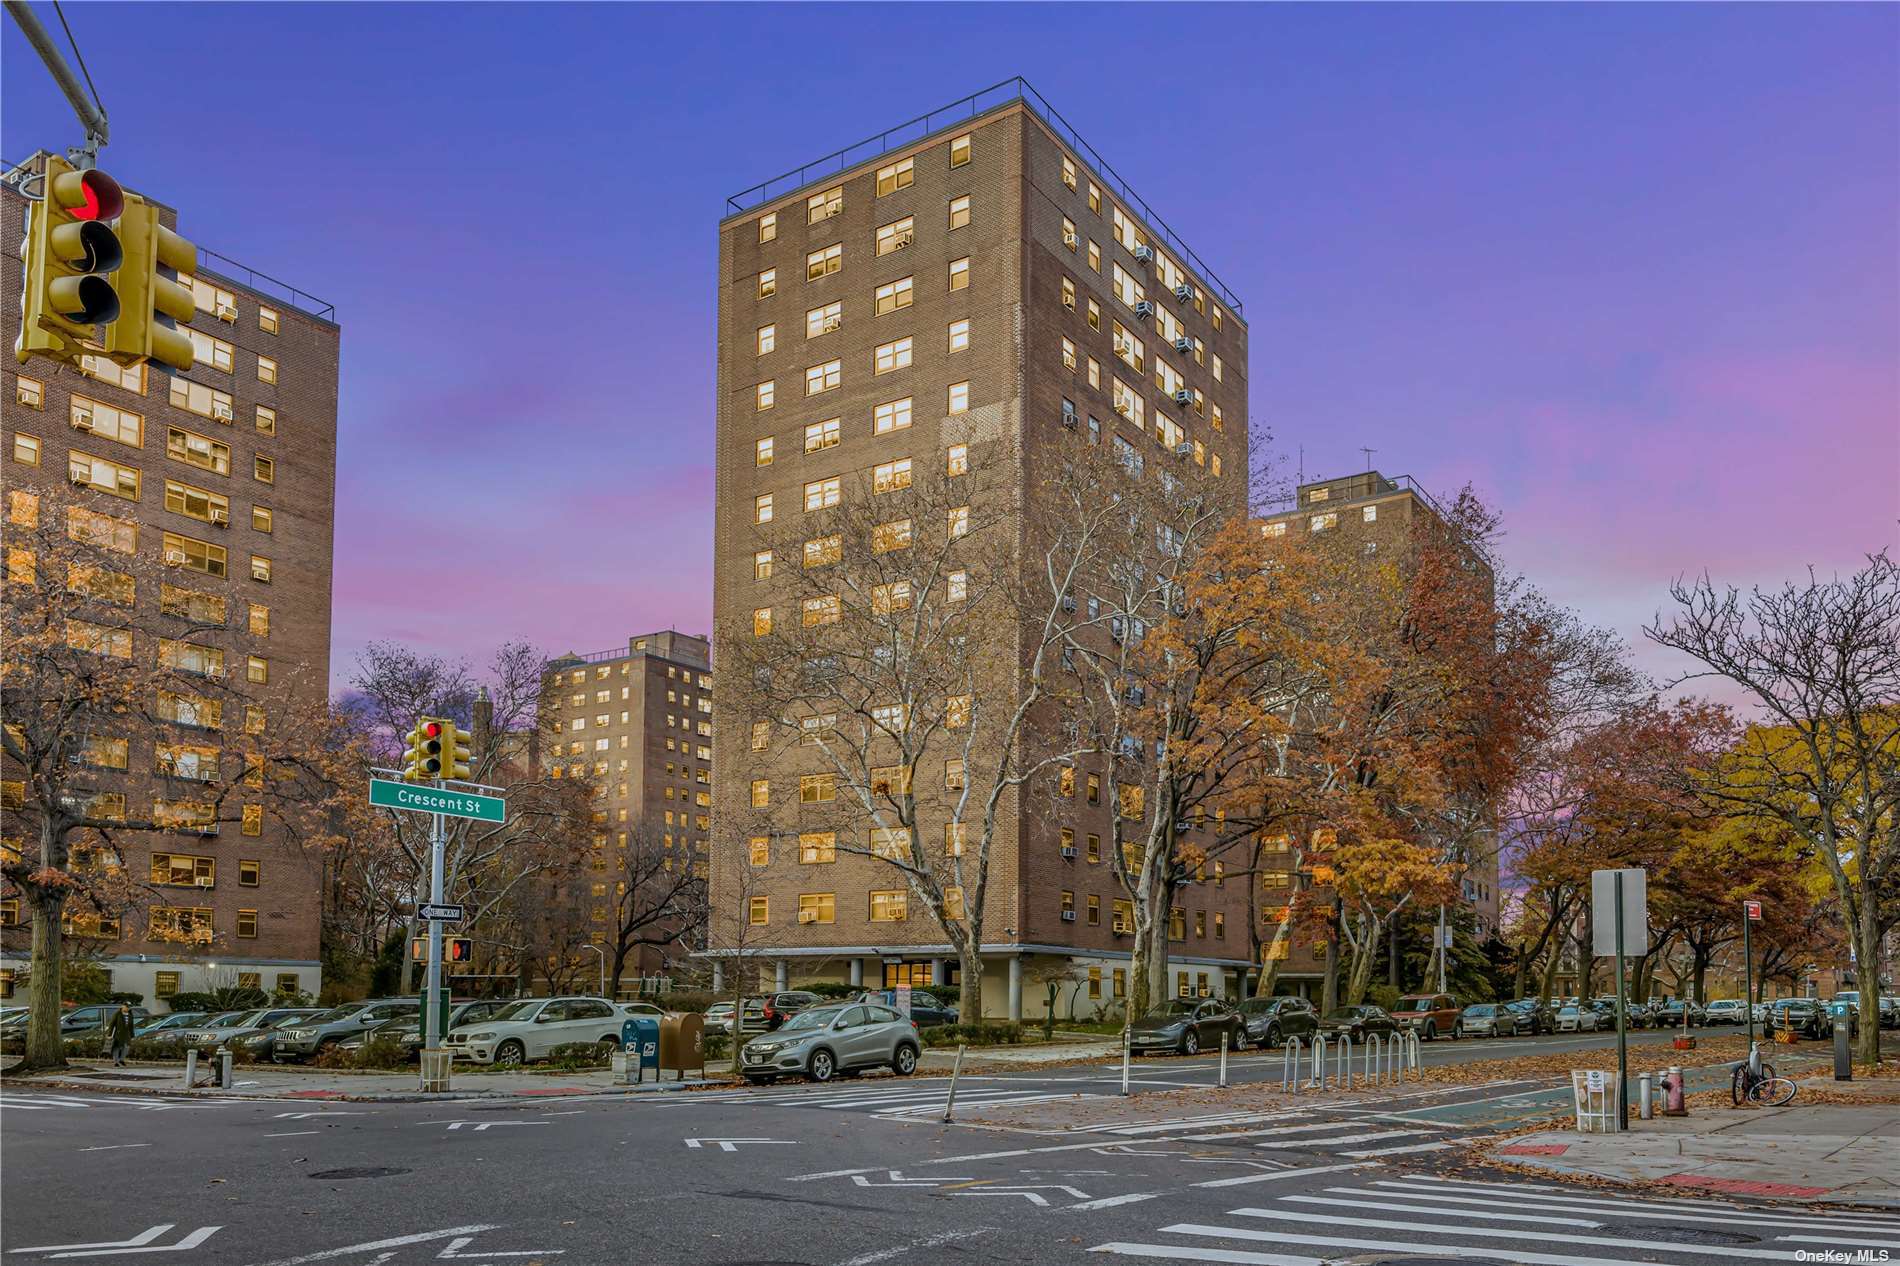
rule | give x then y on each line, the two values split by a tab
1125	1045
191	1066
1342	1074
1223	1061
950	1101
224	1068
1290	1065
1645	1108
1369	1060
1319	1062
1413	1052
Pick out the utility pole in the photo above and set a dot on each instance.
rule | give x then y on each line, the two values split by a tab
91	116
1444	947
432	1015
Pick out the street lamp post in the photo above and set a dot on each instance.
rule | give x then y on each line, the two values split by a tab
603	966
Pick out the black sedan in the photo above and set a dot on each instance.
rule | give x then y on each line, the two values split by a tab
926	1009
1271	1021
1361	1022
1187	1025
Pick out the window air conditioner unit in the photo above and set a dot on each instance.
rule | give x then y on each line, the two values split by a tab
1069	852
221	518
80	478
1068	603
1145	254
1068	240
808	916
1184	449
832	323
1184	292
1068	916
1122	346
203	881
900	243
1121	927
1184	397
82	421
1069	420
175	557
222	412
227	312
1144	310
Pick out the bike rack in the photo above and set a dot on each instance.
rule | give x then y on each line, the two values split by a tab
1342	1070
1290	1065
1319	1062
1370	1061
1410	1053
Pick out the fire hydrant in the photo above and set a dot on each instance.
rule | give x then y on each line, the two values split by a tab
1673	1102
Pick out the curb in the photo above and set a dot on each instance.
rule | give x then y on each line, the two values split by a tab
344	1096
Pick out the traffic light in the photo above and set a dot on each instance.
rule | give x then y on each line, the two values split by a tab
423	758
151	300
458	949
70	247
455	754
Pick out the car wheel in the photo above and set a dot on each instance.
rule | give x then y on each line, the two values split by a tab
1273	1037
822	1066
904	1063
1431	1031
1190	1043
511	1052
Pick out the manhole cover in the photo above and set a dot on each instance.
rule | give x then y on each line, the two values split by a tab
367	1171
1688	1235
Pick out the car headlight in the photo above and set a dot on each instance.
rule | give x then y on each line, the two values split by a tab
477	1037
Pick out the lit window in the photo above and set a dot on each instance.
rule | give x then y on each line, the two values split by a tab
894	535
1068	294
266	369
822	551
959	586
888	907
824	261
768	283
256	670
768	338
214	352
959	397
259	620
768	226
764	394
1095	315
893	295
891	476
1068	355
1369	514
23	508
762	508
761	625
132	379
894	596
762	452
761	793
822	206
890	356
105	476
1273	529
956	460
896	235
825	377
820	435
897	176
816	907
1320	522
266	420
260	568
1095	198
892	415
960	211
89	527
202	556
759	848
960	150
1068	173
960	335
759	911
821	494
1217	367
824	319
104	421
817	788
29	393
958	521
1095	256
264	469
960	273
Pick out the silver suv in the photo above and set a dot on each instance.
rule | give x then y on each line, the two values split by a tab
824	1041
312	1036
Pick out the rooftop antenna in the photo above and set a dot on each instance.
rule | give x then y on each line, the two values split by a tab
1368	452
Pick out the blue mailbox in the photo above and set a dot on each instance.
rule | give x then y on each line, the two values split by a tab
640	1039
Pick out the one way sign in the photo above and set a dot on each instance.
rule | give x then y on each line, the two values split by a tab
439	914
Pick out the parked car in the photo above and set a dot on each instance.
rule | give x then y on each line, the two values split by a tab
327	1028
1427	1014
1488	1019
926	1008
79	1021
232	1028
1890	1013
1268	1022
1669	1014
786	1003
1640	1016
529	1028
1606	1012
154	1025
406	1031
1805	1017
719	1017
821	1042
1534	1015
1360	1022
1726	1011
1187	1025
1577	1018
259	1041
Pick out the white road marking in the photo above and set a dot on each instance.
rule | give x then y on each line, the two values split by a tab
113	1147
1110	1202
1398	1151
1515	1256
488	1125
1556	1198
1175	1253
140	1243
1350	1138
1286	1173
320	1112
733	1145
460	1242
399	1241
933	1241
1498	1233
1360	1202
292	1134
897	1179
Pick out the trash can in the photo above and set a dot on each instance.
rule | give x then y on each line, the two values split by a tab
640	1041
683	1042
435	1069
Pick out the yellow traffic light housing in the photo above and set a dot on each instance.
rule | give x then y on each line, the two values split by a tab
422	759
70	248
455	753
152	301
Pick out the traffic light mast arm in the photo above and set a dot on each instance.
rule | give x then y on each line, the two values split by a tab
91	117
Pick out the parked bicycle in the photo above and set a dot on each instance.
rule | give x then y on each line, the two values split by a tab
1755	1082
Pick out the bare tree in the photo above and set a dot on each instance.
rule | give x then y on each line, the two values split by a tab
659	901
739	931
1820	660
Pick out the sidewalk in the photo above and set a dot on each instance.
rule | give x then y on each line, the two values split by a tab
1832	1153
254	1081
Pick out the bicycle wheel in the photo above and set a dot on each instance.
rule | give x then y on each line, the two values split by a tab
1739	1089
1772	1092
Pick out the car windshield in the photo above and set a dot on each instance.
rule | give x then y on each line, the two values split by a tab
810	1020
1414	1004
1478	1011
245	1019
337	1013
522	1009
1171	1010
294	1017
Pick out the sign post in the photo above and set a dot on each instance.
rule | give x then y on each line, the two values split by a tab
1751	913
1620	909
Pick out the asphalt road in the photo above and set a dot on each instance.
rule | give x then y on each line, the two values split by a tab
851	1174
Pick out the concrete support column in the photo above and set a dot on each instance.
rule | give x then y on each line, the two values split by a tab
719	977
857	973
778	974
939	972
1016	989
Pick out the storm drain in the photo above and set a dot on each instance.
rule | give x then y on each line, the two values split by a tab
1693	1235
364	1171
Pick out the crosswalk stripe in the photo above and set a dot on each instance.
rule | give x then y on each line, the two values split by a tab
1400	1151
1227	1255
1245	1179
1337	1142
1757	1253
1515	1256
1428	1211
1835	1240
1700	1211
1698	1202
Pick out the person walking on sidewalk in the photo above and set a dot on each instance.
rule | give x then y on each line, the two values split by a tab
119	1034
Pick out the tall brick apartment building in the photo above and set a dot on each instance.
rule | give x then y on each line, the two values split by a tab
1382	513
639	719
986	282
224	482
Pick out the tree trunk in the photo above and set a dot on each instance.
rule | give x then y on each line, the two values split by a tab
1269	960
1867	972
1548	986
1329	986
1362	960
1392	957
970	986
44	1047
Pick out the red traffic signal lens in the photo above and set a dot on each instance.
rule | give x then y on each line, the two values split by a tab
432	729
103	199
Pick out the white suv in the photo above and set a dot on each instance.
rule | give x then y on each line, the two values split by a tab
529	1028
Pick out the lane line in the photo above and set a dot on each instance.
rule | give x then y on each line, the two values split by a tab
1428	1211
1400	1151
933	1241
1289	1144
1245	1179
1234	1257
1704	1212
114	1147
1110	1202
292	1134
400	1241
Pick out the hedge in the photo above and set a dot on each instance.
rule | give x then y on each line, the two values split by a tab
973	1034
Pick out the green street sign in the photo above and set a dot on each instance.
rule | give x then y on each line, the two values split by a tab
387	794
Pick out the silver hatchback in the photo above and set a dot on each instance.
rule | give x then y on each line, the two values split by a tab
822	1042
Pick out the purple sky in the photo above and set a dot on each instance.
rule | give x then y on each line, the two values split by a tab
1630	269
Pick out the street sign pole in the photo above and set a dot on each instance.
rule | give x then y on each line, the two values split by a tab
1444	947
1751	910
432	1013
1622	1021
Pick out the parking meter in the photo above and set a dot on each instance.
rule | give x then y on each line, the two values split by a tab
1843	1053
640	1039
